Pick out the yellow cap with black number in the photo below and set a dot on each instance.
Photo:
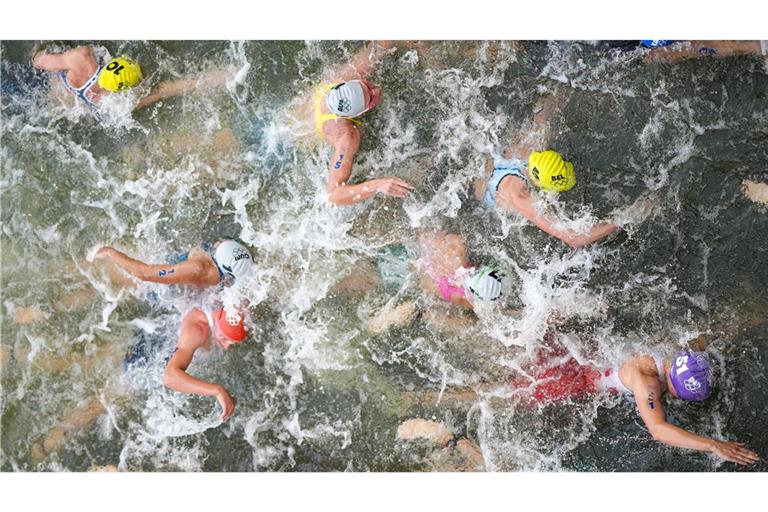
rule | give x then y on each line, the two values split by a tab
550	172
120	74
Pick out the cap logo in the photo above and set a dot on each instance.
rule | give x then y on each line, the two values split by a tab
241	254
692	385
344	105
558	177
233	319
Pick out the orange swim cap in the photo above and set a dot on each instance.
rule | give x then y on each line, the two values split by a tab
231	324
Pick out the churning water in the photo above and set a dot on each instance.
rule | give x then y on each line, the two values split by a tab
317	390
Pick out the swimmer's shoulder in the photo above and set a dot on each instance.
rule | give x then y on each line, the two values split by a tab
639	367
335	129
200	256
194	330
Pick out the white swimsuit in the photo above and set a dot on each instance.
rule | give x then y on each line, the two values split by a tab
610	380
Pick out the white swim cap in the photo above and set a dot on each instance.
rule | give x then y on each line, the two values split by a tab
232	258
346	99
485	283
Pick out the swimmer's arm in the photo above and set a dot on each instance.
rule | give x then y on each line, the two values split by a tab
694	49
596	232
345	148
361	65
58	61
647	392
187	272
50	62
340	169
344	195
175	376
523	203
165	90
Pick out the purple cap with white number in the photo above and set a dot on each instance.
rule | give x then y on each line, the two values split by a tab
690	375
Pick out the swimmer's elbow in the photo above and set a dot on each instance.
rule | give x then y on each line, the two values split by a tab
170	377
339	197
660	438
574	242
167	378
658	433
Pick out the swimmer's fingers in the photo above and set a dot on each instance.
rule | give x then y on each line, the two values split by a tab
394	187
397	181
226	413
747	454
403	183
736	452
398	191
227	404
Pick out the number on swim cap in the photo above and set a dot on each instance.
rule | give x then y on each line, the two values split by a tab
115	67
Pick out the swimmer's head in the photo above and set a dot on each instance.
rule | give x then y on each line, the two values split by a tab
690	375
485	283
233	259
550	172
120	74
230	328
353	98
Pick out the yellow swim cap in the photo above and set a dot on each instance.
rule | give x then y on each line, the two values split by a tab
120	74
550	172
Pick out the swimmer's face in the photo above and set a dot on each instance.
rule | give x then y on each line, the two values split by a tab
371	93
222	341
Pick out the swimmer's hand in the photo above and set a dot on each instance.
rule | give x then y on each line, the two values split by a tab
103	253
227	403
394	187
735	452
636	213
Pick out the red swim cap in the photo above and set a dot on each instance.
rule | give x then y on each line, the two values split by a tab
231	324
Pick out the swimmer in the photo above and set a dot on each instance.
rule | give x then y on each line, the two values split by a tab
671	51
338	105
464	454
225	261
755	191
445	272
198	329
89	79
522	168
556	377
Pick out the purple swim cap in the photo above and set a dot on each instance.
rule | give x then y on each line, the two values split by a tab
690	375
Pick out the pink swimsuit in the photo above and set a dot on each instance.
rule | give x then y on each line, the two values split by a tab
447	290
